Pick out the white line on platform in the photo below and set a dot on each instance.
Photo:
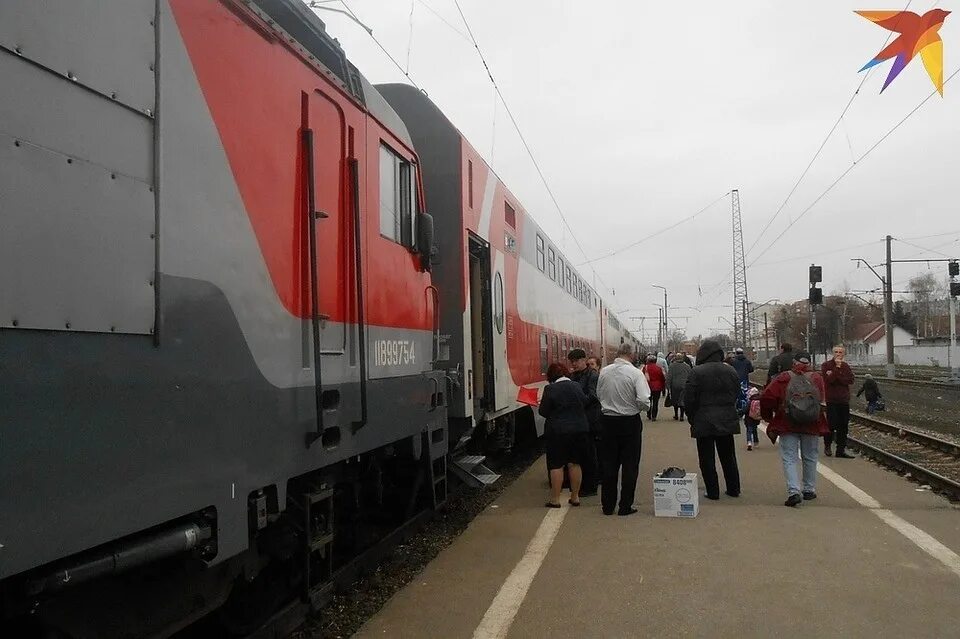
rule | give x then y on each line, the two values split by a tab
921	539
501	613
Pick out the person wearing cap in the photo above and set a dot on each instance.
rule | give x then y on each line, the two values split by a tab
587	377
710	397
795	436
743	365
838	377
871	391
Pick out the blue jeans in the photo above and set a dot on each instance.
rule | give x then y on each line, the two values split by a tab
793	447
751	432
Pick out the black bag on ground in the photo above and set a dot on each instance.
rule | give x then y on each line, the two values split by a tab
668	402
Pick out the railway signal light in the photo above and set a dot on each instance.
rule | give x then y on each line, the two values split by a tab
816	295
816	274
954	269
954	289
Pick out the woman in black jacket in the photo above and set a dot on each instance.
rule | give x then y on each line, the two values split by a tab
710	397
566	432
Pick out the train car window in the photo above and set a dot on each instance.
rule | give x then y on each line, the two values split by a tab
560	271
541	259
397	198
551	264
544	354
470	182
556	346
510	215
569	281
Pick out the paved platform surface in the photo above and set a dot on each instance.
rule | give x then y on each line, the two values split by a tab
745	567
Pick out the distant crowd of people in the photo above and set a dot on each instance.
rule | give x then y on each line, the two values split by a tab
594	428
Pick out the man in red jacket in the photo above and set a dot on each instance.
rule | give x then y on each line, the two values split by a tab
838	377
796	439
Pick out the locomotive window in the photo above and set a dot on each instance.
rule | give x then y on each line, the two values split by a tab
551	264
397	198
544	355
540	257
498	303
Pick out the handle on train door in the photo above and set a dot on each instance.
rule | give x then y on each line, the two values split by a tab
470	384
435	396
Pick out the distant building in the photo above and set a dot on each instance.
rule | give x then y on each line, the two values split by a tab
868	343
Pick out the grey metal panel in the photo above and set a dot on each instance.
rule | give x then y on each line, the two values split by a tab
76	251
55	113
81	38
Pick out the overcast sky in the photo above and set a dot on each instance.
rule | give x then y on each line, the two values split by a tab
641	113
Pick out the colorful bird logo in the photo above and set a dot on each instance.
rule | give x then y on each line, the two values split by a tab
917	35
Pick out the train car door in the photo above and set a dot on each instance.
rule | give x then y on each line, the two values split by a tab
481	327
325	122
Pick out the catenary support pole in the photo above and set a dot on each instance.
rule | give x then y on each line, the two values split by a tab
888	311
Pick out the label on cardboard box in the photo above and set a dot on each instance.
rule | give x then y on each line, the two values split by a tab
676	497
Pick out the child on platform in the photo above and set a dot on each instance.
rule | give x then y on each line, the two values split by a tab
752	418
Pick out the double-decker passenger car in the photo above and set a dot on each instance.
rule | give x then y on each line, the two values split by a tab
513	302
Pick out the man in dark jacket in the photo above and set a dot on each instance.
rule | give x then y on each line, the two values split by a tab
837	377
781	363
871	392
587	378
710	397
742	365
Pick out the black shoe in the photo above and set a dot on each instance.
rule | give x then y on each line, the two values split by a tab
827	451
623	512
607	512
793	501
807	495
733	494
844	455
711	497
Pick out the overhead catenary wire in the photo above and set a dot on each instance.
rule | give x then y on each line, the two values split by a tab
851	167
523	140
822	146
657	233
378	43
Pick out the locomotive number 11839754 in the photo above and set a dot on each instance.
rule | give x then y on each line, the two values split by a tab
393	352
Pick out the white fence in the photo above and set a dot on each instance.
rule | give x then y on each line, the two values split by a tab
924	355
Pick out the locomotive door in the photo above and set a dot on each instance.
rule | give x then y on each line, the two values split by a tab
481	327
329	224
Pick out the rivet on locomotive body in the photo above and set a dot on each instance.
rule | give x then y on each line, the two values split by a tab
148	112
113	176
68	324
151	66
113	95
113	329
69	160
18	50
16	143
16	322
71	76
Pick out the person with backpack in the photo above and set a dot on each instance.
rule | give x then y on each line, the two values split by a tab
790	404
710	396
752	419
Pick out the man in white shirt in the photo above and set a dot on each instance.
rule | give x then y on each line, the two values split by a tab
623	394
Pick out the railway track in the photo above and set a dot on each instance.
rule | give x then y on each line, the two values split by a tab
928	459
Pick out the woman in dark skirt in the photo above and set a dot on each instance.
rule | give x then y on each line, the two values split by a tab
566	432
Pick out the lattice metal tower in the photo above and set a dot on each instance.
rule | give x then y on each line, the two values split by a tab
741	329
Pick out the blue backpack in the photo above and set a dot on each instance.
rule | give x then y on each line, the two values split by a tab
742	402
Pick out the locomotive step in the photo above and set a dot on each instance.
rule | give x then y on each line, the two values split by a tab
471	470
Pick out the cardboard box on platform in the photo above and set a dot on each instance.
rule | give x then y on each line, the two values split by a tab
676	497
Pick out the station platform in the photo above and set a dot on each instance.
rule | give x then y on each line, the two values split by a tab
873	557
